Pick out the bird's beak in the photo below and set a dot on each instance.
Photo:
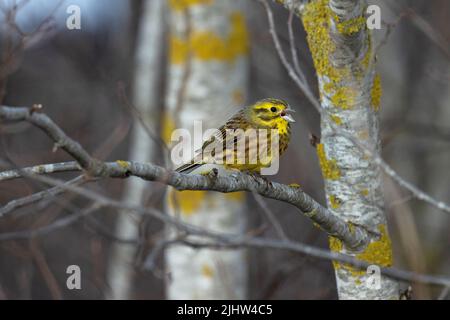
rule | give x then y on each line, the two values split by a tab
286	116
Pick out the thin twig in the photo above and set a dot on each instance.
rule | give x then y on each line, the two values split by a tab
36	197
270	215
294	48
58	224
353	237
232	241
71	166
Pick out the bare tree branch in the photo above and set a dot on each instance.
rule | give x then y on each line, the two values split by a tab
58	224
353	236
36	197
71	166
217	240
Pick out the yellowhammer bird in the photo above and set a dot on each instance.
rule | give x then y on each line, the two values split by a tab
248	133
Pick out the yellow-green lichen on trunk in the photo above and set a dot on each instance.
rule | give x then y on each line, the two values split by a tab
336	119
168	126
375	92
206	45
330	169
335	202
180	5
188	201
317	18
207	271
350	26
344	97
378	252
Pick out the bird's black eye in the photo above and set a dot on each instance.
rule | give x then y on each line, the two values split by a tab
273	109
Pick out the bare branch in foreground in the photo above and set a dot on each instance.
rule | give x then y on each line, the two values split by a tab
354	237
209	239
60	223
70	166
36	197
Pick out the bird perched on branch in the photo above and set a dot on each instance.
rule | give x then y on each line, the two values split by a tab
246	140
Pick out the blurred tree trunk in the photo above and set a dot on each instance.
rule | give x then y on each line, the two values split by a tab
207	74
350	99
142	147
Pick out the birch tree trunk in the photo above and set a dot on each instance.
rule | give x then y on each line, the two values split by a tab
207	74
350	94
145	98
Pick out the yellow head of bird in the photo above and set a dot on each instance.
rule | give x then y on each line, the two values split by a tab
271	112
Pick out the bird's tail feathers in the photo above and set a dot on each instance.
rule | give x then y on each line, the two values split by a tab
188	167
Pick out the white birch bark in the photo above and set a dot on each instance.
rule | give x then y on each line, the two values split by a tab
142	147
341	47
216	58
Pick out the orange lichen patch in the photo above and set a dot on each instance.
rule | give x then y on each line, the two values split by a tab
376	92
209	46
188	201
330	169
168	126
207	271
335	202
235	196
183	4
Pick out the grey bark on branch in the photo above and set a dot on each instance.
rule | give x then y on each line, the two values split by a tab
353	236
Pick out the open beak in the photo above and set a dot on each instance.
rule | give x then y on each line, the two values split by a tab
286	116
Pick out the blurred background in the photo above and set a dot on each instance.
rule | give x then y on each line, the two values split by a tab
86	80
